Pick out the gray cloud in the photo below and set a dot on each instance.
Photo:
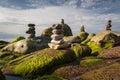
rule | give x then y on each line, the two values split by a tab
94	18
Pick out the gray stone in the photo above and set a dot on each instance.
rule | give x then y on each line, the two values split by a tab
57	46
56	36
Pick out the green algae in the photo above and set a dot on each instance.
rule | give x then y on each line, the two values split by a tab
91	62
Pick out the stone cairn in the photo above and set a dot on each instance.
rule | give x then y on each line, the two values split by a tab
31	31
57	41
82	29
108	26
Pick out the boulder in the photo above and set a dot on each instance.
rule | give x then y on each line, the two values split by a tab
39	62
96	49
48	31
77	38
82	36
81	50
27	45
9	47
106	36
88	38
72	39
91	61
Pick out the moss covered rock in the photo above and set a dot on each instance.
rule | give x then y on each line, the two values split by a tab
40	62
111	72
92	61
88	39
81	50
82	36
96	49
18	38
106	37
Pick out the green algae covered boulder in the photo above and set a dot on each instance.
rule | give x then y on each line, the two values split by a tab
96	49
88	38
81	50
18	38
82	36
106	37
91	61
39	62
110	40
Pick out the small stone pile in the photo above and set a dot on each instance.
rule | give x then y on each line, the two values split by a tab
31	31
82	29
108	26
57	41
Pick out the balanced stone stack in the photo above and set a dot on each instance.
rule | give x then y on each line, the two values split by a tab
108	26
57	41
31	31
82	29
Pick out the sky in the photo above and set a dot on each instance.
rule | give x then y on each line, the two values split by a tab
93	14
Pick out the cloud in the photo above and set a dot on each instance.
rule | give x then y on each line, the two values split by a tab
14	21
